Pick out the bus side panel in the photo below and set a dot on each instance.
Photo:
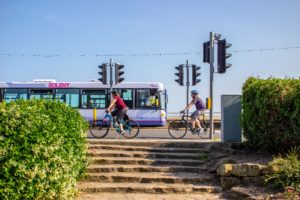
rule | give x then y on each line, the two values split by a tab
143	117
148	117
88	114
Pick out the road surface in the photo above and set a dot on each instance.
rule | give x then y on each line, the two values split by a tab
157	133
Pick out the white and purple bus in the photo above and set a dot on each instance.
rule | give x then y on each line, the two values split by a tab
146	101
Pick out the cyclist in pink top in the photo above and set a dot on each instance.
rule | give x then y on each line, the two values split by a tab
120	109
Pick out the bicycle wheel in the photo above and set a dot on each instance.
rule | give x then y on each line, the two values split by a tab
177	129
99	128
205	125
131	129
204	133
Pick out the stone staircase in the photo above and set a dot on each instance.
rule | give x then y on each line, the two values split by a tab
149	166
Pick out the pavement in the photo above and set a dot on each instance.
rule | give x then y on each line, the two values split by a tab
158	133
131	196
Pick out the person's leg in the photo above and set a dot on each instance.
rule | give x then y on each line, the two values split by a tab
121	127
198	123
114	114
193	123
193	119
120	117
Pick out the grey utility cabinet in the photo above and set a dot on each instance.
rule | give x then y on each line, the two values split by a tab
231	118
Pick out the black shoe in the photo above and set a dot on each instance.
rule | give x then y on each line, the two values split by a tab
194	131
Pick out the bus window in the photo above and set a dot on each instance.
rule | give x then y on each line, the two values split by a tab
147	98
93	99
127	96
68	96
41	94
14	94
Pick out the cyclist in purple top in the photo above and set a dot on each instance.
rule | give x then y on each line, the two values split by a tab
200	106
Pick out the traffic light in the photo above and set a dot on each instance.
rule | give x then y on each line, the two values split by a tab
103	73
208	103
179	74
222	56
195	74
206	52
119	73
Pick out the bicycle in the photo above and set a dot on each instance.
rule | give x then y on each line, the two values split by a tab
205	123
100	128
178	128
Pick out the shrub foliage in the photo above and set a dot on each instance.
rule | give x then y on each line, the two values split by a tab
42	150
271	113
286	172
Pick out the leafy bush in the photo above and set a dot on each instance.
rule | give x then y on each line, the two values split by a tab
271	113
42	150
286	172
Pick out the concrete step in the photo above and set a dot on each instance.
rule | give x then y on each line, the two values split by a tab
143	168
142	161
152	143
144	154
96	187
154	177
142	196
148	149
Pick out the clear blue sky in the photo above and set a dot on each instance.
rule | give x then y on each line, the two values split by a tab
116	26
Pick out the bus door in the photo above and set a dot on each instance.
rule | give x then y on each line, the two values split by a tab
148	99
164	101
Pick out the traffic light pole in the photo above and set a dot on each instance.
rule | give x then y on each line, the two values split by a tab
111	82
211	60
187	87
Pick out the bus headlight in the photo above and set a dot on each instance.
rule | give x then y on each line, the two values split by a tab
163	114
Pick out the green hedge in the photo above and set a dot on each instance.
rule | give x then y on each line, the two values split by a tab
42	150
271	113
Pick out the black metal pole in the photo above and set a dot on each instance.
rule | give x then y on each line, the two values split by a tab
111	75
187	87
211	48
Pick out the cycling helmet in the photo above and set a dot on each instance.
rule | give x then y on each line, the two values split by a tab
195	92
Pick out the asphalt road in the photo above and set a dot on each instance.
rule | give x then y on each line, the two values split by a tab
157	133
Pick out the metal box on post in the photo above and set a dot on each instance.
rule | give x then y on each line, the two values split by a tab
231	118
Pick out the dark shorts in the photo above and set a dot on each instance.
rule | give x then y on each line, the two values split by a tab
120	114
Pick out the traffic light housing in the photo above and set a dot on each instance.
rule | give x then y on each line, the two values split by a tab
119	73
179	74
208	103
103	73
206	52
195	74
222	56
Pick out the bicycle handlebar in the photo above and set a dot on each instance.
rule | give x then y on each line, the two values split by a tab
107	115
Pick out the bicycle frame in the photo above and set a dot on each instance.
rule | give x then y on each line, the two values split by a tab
186	121
189	124
112	119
